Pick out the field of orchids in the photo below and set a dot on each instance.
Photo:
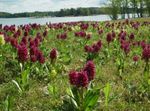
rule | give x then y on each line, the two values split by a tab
75	66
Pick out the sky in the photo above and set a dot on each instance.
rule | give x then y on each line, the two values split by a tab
16	6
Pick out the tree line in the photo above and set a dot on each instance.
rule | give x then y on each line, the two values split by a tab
61	13
138	8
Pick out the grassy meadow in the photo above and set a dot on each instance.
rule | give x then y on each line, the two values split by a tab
40	82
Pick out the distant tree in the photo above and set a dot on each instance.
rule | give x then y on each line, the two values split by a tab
122	7
87	12
127	2
147	5
141	7
125	5
114	9
72	11
134	5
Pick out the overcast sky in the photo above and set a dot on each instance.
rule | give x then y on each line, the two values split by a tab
15	6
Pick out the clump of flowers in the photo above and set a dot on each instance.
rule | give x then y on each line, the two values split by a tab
53	55
24	40
93	50
135	58
131	36
88	36
109	38
45	33
78	79
80	34
100	31
83	77
146	53
36	55
146	57
122	35
84	26
33	54
62	36
40	57
26	33
89	68
125	46
81	92
14	42
22	53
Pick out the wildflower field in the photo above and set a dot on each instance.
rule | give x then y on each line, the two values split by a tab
75	66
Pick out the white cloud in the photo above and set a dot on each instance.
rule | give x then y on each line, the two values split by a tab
14	6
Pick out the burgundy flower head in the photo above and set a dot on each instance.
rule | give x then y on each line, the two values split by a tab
88	48
84	26
32	43
80	34
33	58
36	42
113	34
90	69
94	48
7	39
62	36
109	38
53	54
14	42
131	36
88	36
143	44
73	77
22	53
40	57
100	32
146	53
33	50
135	58
99	43
45	33
26	33
78	79
82	80
125	46
24	40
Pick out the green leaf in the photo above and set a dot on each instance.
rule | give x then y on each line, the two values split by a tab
69	105
72	98
25	77
52	89
8	103
18	86
149	82
107	93
91	99
76	95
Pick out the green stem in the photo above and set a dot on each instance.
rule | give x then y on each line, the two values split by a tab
81	92
146	67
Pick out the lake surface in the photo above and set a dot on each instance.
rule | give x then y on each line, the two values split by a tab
42	21
20	21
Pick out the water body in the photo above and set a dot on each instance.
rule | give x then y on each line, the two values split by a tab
44	20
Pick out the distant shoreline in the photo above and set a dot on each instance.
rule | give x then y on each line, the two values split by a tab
52	16
62	13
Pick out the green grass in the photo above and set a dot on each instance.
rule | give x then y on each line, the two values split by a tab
127	90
